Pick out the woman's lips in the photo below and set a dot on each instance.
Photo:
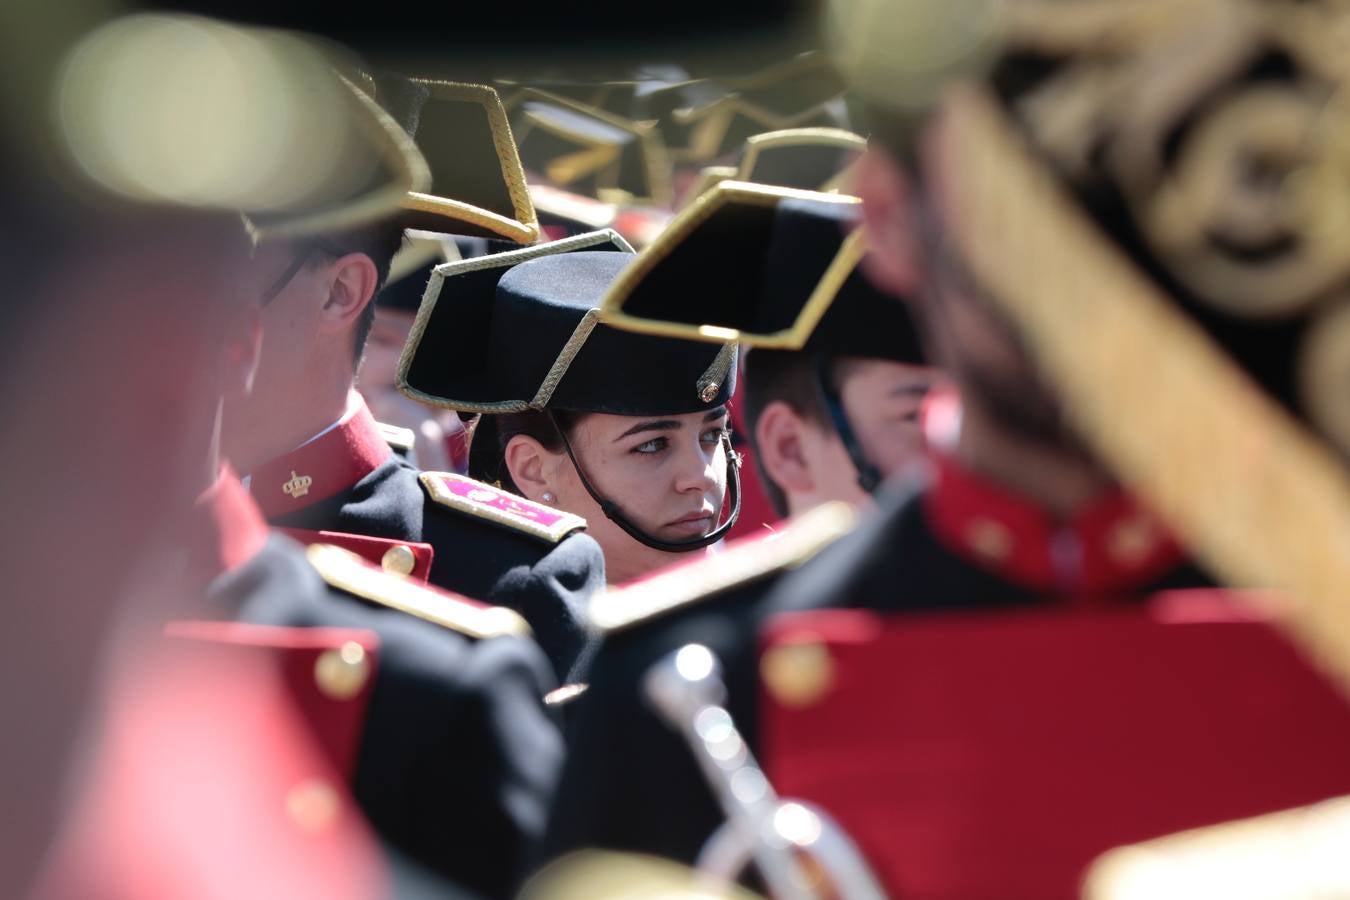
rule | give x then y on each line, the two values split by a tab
696	524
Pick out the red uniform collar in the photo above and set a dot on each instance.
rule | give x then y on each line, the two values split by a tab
1111	546
321	468
226	528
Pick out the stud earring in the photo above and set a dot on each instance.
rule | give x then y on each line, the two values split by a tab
549	498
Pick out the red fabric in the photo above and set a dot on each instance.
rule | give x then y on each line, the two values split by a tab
335	724
332	463
225	528
997	755
194	789
371	549
1112	546
757	513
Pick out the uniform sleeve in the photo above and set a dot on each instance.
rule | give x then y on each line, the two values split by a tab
552	595
459	757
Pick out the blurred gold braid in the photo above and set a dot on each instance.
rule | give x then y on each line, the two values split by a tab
1136	73
1151	391
1140	72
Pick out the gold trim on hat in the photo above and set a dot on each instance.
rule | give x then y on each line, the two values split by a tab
838	138
688	222
499	260
1251	492
565	356
710	123
651	147
708	178
524	228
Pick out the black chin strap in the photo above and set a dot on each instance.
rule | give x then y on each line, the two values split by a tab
869	478
615	515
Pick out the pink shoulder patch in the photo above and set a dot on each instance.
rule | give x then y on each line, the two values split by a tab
485	501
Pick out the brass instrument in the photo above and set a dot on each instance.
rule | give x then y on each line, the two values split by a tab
799	850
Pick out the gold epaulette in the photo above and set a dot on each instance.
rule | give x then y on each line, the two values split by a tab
348	572
1296	853
483	501
401	439
678	586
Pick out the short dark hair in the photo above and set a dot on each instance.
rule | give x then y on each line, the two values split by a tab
378	241
790	377
491	434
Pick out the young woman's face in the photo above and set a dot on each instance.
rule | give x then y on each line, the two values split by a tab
667	475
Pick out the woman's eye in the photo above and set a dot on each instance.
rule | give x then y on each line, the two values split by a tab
716	434
653	446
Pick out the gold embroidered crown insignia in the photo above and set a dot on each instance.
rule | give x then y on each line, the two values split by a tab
298	486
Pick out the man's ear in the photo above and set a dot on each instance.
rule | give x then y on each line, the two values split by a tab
782	448
352	282
527	461
892	257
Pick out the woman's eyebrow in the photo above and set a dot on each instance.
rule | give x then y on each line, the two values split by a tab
651	425
715	414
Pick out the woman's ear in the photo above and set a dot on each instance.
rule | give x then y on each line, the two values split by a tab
526	460
781	447
892	254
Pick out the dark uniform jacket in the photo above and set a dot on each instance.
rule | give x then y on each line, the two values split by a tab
484	543
948	543
458	755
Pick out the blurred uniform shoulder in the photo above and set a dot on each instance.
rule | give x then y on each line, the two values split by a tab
742	564
348	573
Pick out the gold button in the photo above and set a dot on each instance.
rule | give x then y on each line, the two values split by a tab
313	805
798	674
342	673
1132	540
709	392
990	540
399	560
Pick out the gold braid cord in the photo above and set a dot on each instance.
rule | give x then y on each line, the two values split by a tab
1252	493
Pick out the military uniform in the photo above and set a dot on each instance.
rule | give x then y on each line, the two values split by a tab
789	288
504	551
1156	313
457	754
205	779
464	534
944	546
543	347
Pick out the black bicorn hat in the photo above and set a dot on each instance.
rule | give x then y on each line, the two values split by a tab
522	331
788	278
712	122
421	253
589	150
477	185
812	159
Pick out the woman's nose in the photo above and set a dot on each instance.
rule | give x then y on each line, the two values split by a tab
699	469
